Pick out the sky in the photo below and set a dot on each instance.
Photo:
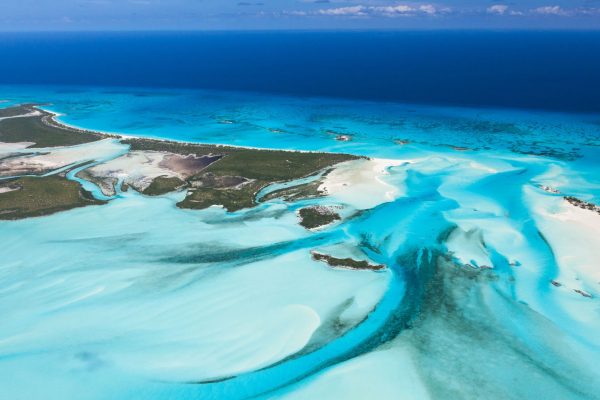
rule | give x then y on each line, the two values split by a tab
98	15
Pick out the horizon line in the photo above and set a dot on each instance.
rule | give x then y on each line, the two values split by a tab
313	30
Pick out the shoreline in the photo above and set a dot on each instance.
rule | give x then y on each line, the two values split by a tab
126	136
160	166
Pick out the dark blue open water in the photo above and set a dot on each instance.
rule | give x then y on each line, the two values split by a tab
546	70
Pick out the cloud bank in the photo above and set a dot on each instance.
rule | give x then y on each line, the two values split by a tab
430	9
397	10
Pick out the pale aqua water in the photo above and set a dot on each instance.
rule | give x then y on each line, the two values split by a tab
98	299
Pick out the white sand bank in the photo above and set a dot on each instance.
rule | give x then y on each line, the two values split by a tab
31	114
574	235
7	148
385	374
54	158
361	184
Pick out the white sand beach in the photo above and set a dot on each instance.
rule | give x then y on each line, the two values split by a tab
361	183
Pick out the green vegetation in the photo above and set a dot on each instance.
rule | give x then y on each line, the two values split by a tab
210	180
14	111
260	167
232	199
301	192
107	185
304	191
267	165
42	130
582	204
314	217
163	185
346	262
233	181
36	196
170	146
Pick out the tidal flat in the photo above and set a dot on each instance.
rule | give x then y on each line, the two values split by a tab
450	273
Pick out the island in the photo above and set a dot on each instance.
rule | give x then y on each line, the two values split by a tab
582	204
346	263
37	153
317	216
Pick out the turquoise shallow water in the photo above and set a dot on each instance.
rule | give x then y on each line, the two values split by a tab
169	303
248	119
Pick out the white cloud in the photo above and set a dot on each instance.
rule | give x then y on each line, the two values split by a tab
499	9
296	13
571	12
386	11
550	10
415	9
392	11
590	11
428	9
344	11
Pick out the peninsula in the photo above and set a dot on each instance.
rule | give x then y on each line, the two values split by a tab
38	156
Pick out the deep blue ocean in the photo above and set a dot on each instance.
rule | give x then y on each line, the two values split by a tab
542	70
